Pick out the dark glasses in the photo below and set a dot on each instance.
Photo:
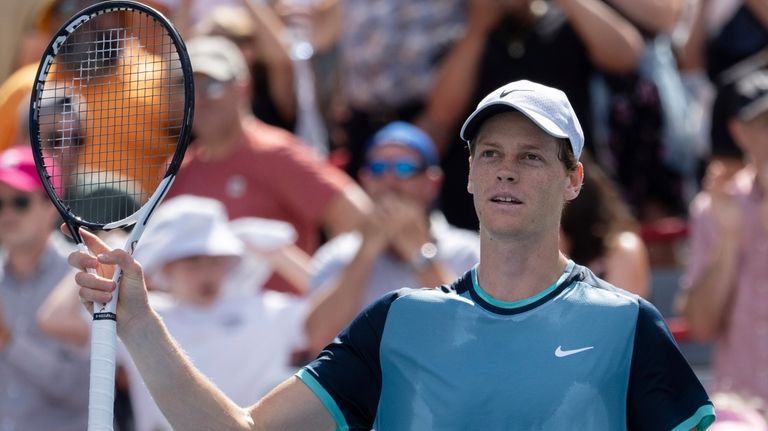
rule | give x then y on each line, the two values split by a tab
19	203
402	168
210	88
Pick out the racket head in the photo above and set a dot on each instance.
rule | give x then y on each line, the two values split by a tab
110	113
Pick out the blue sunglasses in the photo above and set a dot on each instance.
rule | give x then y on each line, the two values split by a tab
402	168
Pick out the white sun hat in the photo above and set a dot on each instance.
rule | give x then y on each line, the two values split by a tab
186	226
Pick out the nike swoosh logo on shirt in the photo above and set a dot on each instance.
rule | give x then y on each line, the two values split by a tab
560	353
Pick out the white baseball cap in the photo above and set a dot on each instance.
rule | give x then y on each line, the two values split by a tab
217	57
547	107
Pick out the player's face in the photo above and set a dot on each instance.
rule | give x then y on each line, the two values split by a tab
198	280
518	183
399	170
26	219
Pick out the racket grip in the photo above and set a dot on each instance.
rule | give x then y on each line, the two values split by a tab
103	363
102	379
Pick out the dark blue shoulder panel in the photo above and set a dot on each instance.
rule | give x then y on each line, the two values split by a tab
663	390
349	369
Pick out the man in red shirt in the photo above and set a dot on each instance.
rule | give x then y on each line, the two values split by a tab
256	169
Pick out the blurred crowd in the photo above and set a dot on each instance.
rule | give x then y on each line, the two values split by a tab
326	169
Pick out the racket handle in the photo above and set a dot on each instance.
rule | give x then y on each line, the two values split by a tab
102	383
103	363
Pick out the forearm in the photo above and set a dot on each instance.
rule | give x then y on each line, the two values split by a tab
282	89
706	302
294	265
691	55
187	399
614	45
347	210
454	86
760	9
337	305
657	16
5	337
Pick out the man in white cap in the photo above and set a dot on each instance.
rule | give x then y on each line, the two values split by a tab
43	384
255	169
525	340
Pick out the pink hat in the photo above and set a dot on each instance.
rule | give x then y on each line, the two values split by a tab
17	169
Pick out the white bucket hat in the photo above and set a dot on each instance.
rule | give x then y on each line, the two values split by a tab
186	226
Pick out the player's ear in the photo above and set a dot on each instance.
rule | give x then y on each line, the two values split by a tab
470	186
573	181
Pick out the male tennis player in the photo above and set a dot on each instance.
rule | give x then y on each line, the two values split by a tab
526	340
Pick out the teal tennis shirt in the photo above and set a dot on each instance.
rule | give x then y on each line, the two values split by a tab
580	355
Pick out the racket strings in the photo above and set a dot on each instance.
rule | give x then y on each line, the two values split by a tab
111	114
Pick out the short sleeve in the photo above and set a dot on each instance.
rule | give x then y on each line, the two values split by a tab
346	376
664	392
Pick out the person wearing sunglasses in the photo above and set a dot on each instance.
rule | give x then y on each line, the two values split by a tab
44	385
404	242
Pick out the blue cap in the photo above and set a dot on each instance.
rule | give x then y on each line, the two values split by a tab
407	135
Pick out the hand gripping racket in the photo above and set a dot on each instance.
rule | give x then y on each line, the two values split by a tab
110	118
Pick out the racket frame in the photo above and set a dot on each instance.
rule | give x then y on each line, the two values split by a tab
104	326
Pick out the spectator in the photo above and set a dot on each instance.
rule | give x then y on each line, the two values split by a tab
507	40
257	31
401	243
721	34
598	229
44	383
724	297
255	169
389	53
641	118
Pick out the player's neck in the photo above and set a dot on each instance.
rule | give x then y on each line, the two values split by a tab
515	271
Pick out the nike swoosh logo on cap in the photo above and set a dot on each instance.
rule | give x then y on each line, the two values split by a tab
560	353
504	93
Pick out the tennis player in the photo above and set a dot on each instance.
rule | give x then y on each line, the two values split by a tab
525	340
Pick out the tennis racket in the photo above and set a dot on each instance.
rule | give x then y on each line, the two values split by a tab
110	118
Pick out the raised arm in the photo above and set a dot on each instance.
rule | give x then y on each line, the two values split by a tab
346	211
270	44
187	399
454	84
613	43
658	16
759	8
